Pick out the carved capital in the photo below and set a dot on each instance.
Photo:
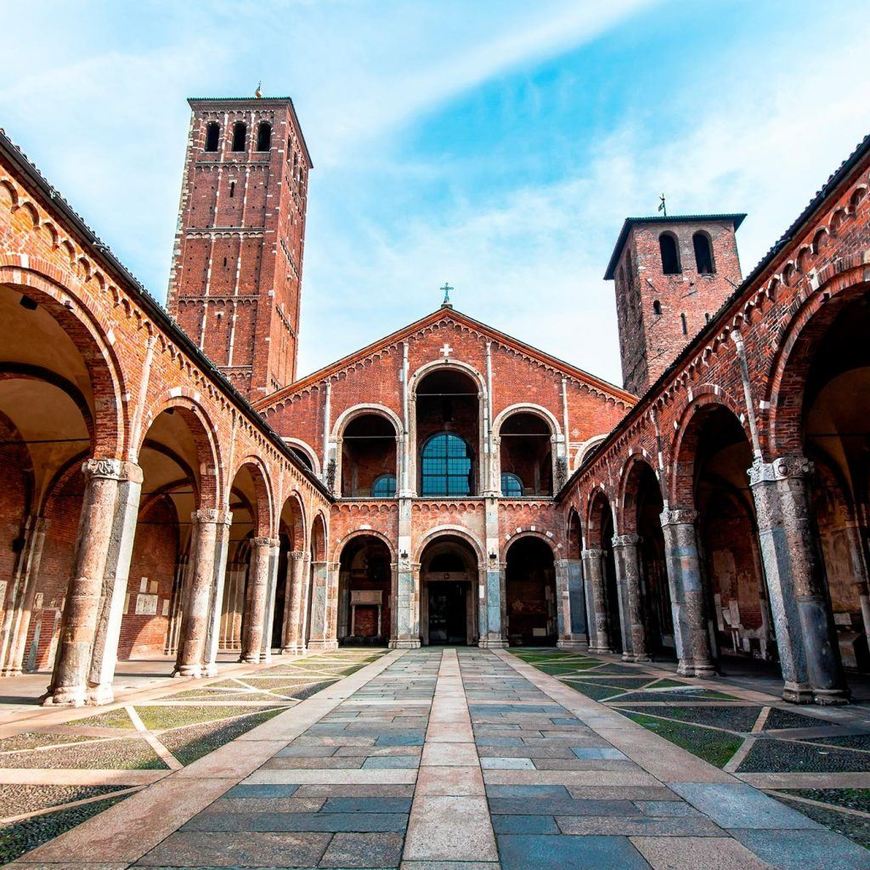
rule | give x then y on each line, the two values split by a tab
265	542
297	555
592	554
678	517
212	515
626	540
108	469
782	468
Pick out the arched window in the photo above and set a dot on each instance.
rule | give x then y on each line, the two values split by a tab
511	485
657	307
384	486
212	136
232	189
685	324
264	136
703	253
446	466
240	135
670	254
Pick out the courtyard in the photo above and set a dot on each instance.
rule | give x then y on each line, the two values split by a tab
440	758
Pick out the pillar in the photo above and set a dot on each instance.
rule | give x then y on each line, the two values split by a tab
198	597
626	556
319	638
85	661
596	600
492	625
572	605
683	561
215	610
294	642
793	569
407	604
256	600
16	619
269	619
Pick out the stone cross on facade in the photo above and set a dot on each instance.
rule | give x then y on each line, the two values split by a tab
446	350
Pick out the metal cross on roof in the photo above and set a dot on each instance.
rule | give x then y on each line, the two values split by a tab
446	288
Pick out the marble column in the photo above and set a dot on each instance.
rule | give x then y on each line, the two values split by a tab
793	568
407	604
596	600
319	638
256	600
269	619
16	618
85	661
626	556
193	642
569	590
294	642
216	599
683	561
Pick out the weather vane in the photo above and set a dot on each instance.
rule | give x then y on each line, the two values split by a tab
258	93
662	206
446	288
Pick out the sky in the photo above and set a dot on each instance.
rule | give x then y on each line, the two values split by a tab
494	144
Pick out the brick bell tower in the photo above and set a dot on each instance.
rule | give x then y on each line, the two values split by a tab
672	275
235	284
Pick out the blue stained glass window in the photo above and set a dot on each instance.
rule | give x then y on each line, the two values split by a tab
511	485
384	486
446	466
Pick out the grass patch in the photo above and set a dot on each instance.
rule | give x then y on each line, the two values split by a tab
161	717
715	747
122	754
117	718
731	718
596	691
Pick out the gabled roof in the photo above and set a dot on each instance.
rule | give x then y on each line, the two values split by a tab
448	313
629	222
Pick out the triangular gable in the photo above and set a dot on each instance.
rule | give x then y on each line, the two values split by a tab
446	314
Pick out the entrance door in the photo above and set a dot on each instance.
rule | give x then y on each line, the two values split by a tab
447	613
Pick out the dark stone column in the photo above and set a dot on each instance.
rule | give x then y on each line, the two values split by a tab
571	606
256	604
625	551
294	643
687	599
802	619
596	600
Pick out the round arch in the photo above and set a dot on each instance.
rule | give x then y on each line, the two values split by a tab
362	533
304	448
361	409
527	408
433	534
586	448
626	500
263	498
445	365
598	505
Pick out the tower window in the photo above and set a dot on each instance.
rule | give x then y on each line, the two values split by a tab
240	135
670	254
212	136
232	189
685	324
703	253
264	136
657	307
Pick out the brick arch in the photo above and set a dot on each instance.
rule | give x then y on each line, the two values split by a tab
363	533
529	533
305	448
211	486
598	501
626	502
300	523
432	535
47	285
681	485
573	521
440	365
319	524
362	409
264	521
527	408
791	365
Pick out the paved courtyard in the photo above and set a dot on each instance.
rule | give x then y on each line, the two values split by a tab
443	759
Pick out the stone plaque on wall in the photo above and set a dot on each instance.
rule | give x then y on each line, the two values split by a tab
146	605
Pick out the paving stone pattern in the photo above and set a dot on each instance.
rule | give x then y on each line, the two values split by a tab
452	759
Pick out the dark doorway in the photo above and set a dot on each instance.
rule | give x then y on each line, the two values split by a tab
530	582
447	613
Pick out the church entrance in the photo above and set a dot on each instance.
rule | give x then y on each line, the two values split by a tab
448	575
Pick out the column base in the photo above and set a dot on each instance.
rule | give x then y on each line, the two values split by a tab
493	643
195	671
831	697
797	693
685	668
568	643
65	696
322	645
404	643
102	694
293	651
600	650
249	659
211	669
635	659
11	672
705	669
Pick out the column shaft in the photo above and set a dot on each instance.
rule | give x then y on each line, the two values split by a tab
294	643
596	600
318	608
256	600
625	550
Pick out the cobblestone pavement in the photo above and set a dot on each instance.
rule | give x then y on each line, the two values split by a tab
447	759
54	776
814	759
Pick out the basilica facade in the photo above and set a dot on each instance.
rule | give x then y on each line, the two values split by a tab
172	488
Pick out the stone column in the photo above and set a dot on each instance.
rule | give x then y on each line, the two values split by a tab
16	619
491	587
190	661
319	639
256	599
596	600
294	643
794	571
683	561
215	610
625	551
407	604
269	619
576	633
92	613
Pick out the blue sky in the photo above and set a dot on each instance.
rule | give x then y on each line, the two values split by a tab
497	145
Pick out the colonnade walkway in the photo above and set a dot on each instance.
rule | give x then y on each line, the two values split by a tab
445	759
